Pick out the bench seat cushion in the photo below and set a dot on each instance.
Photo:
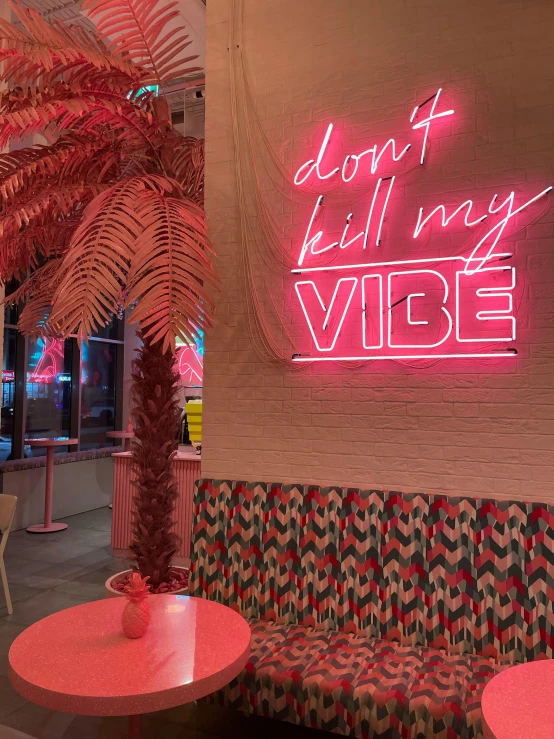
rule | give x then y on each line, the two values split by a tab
359	686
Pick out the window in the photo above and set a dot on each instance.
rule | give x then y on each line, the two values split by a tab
48	386
51	388
98	377
8	393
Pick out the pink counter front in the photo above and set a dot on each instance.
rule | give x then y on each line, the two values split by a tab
187	470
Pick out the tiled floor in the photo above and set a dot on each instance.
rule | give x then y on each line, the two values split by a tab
50	572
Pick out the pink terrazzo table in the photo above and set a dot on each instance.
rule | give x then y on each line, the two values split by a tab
79	661
519	702
126	435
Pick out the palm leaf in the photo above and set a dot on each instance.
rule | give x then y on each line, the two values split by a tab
42	46
171	275
184	156
98	258
60	200
37	292
47	236
63	109
137	30
38	166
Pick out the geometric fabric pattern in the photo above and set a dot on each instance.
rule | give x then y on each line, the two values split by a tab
458	587
357	686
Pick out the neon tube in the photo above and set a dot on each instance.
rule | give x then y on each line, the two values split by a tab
309	243
427	121
499	227
353	281
445	220
377	159
403	356
342	242
375	192
364	312
413	295
497	314
409	310
313	164
369	265
378	239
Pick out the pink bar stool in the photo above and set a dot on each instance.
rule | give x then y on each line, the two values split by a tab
127	435
48	527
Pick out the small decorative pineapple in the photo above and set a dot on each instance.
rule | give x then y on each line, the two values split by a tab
136	614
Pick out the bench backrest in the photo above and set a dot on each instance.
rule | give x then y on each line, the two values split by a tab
467	575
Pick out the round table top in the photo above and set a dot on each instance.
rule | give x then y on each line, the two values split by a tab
52	441
120	434
79	661
517	703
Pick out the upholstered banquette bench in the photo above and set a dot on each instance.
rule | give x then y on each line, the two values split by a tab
374	614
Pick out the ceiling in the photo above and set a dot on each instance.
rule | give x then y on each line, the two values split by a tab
193	17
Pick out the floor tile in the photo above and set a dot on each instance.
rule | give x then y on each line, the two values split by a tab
64	571
54	552
85	590
18	566
42	605
100	576
8	632
47	574
92	557
9	700
39	582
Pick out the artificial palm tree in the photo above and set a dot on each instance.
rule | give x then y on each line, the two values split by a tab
108	214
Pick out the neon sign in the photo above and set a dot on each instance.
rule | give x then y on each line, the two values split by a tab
47	361
190	361
360	303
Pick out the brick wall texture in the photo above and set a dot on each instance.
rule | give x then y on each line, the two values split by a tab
459	427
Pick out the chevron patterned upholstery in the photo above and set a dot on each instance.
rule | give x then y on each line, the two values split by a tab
374	614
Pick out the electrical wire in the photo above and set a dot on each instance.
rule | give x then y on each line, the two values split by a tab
266	254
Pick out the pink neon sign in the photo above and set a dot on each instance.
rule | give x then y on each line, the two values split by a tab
190	365
358	302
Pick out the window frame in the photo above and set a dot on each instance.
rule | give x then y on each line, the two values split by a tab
20	387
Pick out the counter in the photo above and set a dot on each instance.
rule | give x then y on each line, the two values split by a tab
186	466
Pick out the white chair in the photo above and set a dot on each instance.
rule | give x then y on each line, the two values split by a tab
7	511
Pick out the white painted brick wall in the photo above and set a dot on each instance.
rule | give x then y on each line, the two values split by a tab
461	429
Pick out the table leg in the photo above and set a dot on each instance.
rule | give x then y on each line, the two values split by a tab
48	527
135	726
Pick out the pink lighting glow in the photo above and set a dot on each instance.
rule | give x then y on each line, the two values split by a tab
500	226
445	220
190	365
314	164
50	363
344	286
440	307
427	121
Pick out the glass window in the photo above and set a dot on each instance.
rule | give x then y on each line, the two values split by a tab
98	368
8	393
112	331
11	312
48	392
190	362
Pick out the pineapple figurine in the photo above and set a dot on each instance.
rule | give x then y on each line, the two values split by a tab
136	614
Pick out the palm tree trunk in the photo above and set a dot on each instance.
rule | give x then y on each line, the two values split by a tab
156	419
